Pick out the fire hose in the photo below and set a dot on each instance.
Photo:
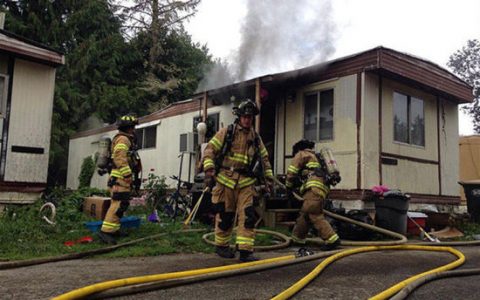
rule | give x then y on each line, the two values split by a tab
172	279
183	277
177	278
37	261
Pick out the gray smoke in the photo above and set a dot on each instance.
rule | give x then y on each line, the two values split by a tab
280	35
216	75
277	36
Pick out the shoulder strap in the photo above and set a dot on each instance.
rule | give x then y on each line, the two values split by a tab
227	144
228	139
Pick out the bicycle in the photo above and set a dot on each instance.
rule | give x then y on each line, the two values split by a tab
180	202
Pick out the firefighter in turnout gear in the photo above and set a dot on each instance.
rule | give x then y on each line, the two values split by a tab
237	158
307	169
125	164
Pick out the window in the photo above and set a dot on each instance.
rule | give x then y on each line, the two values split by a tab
146	137
318	116
3	94
408	120
212	124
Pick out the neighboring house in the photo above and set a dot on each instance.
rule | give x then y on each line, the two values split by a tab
27	82
390	118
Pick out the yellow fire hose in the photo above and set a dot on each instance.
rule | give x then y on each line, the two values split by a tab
99	287
388	292
88	290
191	275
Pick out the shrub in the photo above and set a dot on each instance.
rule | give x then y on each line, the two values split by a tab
86	172
156	190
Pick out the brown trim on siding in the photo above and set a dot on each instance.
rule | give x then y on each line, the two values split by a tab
205	107
380	91
358	194
359	120
6	121
410	158
367	195
434	199
22	187
438	145
425	73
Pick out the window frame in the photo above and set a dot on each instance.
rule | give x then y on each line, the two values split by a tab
4	93
198	119
409	138
318	93
144	136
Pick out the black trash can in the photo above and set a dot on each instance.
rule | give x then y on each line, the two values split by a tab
391	211
472	193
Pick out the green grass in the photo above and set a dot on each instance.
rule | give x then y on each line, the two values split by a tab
24	235
469	230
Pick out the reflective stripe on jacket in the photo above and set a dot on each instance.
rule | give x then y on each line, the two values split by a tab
303	164
238	158
121	144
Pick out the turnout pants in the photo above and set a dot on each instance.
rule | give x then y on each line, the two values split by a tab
120	194
231	202
312	213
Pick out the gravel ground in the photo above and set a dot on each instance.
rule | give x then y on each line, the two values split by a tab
355	277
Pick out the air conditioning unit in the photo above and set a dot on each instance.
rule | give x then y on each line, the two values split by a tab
188	142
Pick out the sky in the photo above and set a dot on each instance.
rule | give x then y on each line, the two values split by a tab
430	29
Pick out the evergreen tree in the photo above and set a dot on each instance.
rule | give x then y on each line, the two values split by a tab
101	72
104	75
466	64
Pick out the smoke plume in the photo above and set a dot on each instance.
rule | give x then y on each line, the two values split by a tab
277	36
281	35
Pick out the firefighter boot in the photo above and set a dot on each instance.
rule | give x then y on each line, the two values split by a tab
106	238
247	256
330	246
224	251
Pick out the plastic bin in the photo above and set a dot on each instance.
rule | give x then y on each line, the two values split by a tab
125	222
419	218
391	211
472	193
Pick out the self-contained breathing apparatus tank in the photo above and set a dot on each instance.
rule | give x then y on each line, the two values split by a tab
104	158
331	172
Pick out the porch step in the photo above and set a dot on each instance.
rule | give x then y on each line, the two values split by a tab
280	217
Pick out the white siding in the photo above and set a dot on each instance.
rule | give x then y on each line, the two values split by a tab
412	177
78	150
161	160
449	148
370	132
344	143
30	121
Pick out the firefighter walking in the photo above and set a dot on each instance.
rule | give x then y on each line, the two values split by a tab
306	170
125	162
232	156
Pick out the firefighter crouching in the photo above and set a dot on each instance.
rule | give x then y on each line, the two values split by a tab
125	163
311	170
231	155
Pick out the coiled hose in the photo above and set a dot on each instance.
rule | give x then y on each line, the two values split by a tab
295	288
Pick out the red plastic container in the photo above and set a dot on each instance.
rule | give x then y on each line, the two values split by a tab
419	218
